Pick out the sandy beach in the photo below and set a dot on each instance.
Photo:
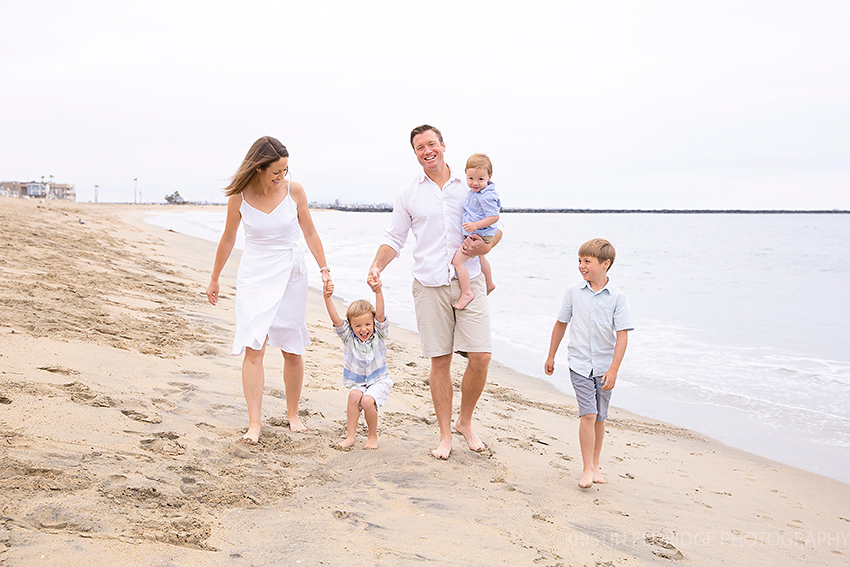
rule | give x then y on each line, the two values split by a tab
121	411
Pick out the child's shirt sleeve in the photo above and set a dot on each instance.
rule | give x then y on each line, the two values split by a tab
490	203
382	329
343	331
623	315
566	313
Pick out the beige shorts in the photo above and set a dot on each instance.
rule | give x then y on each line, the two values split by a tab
442	329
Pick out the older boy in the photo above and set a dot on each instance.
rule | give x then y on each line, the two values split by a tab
601	321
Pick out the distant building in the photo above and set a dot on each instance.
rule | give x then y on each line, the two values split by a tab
36	190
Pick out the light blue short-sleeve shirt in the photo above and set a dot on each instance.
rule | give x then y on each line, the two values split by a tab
595	318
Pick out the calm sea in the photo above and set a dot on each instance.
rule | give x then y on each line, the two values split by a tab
739	317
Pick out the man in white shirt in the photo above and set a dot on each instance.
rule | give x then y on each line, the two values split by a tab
432	206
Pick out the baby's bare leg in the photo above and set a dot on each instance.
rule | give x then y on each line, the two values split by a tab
488	273
352	416
370	412
466	295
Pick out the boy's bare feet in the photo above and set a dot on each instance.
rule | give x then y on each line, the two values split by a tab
464	300
295	425
586	480
346	443
371	443
443	451
469	434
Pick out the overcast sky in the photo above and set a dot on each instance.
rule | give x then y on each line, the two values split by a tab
616	104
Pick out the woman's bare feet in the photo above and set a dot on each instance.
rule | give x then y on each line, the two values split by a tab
464	300
443	451
347	442
295	424
472	439
598	478
252	436
586	480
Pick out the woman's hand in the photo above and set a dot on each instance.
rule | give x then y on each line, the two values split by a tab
212	292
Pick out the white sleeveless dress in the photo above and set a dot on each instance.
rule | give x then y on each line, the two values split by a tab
271	283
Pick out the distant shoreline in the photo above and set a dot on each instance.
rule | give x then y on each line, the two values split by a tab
389	208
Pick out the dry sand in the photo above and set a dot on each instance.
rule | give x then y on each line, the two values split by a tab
121	410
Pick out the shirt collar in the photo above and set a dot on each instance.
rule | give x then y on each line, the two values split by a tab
452	176
587	285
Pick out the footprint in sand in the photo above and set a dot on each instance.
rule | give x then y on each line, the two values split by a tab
139	416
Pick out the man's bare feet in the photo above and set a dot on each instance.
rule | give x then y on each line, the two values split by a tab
586	480
252	436
464	300
443	451
474	442
295	425
346	443
371	443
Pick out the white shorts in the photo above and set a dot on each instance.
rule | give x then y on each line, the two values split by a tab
379	390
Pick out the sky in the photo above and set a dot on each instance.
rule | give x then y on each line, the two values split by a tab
729	104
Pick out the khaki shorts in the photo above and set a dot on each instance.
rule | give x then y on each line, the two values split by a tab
442	329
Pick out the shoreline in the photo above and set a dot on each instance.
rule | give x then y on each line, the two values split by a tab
120	396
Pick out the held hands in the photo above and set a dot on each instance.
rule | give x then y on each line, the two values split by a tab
328	289
212	292
374	279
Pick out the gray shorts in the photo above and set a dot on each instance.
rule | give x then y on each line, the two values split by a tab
443	329
590	396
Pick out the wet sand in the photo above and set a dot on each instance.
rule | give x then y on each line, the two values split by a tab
121	411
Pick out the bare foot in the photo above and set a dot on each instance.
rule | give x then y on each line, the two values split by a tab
586	480
490	288
472	439
443	451
598	478
295	425
347	442
252	436
464	300
371	443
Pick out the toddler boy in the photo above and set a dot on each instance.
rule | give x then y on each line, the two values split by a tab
363	333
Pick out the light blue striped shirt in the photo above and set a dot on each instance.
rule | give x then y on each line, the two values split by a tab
364	362
596	317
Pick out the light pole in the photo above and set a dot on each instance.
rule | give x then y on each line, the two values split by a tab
96	187
135	188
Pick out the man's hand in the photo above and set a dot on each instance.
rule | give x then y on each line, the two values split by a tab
374	279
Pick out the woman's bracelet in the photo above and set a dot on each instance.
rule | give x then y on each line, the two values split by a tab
323	268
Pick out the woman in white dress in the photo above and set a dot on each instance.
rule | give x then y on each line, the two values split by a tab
271	284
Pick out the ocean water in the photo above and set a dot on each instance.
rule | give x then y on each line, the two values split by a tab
738	317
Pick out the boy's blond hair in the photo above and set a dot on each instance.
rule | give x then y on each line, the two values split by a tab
600	249
480	161
358	308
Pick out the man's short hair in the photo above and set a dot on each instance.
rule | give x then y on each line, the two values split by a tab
358	308
600	249
480	161
424	128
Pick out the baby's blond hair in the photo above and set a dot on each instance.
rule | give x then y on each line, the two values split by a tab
480	161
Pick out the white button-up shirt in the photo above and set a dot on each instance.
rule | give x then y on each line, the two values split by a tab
435	216
595	318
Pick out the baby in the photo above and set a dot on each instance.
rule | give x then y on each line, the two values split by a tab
363	334
480	214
